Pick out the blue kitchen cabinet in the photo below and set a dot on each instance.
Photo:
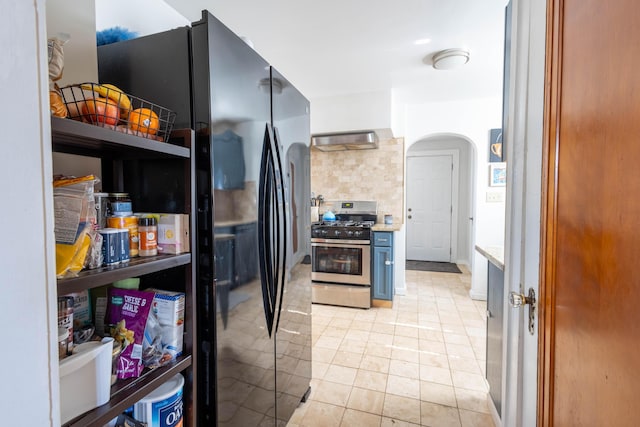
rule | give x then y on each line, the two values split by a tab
228	161
382	266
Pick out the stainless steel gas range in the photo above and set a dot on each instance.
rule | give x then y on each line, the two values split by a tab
341	255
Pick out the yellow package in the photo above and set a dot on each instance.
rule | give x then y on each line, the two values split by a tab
71	258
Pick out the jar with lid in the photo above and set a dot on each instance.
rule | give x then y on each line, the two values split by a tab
120	204
147	236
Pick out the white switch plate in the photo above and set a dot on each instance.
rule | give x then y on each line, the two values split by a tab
495	196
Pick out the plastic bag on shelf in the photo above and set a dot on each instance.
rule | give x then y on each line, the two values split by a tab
56	66
127	314
75	220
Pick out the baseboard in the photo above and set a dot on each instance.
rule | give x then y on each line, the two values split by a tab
480	296
381	303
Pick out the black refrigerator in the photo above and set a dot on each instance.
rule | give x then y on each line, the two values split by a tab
254	299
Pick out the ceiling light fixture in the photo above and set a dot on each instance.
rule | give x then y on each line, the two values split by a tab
421	42
450	58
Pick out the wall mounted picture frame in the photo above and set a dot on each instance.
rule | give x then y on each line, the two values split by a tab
495	146
497	174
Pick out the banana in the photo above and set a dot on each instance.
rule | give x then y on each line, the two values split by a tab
112	92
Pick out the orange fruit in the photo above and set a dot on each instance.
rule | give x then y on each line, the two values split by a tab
144	120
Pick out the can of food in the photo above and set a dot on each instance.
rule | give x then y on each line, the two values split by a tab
124	244
130	223
65	320
102	208
120	204
110	246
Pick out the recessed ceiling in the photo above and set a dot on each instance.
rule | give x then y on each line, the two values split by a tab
337	47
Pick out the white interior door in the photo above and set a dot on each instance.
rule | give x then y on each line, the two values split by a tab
429	209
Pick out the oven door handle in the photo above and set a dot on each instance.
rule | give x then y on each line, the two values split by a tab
337	245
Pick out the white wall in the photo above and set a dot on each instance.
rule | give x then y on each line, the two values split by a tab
471	119
77	19
27	263
370	110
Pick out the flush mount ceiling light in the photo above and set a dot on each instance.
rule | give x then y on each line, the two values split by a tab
450	58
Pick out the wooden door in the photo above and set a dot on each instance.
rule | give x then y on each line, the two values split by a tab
590	290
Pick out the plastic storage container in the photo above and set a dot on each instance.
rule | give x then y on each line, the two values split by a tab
85	378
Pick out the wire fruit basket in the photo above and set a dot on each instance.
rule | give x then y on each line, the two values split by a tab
107	106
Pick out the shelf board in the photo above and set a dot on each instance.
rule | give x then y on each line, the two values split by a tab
138	266
74	137
125	393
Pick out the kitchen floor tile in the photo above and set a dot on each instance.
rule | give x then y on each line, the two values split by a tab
403	368
435	415
375	364
330	392
322	414
371	380
419	363
353	418
392	422
437	393
402	386
469	381
348	359
366	400
475	419
402	408
340	374
472	400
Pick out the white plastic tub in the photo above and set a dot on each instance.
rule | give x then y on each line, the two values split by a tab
163	406
85	378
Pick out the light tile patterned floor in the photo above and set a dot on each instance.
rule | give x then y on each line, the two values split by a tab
420	363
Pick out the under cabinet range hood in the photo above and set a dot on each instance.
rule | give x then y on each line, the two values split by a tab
350	140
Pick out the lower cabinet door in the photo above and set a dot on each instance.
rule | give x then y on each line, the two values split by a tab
382	273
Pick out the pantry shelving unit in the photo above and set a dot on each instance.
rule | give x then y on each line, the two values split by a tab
160	178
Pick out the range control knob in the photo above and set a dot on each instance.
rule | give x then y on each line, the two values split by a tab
358	233
350	233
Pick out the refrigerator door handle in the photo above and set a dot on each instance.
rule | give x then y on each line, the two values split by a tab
282	222
265	236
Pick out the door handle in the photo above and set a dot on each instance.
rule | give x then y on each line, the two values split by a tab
517	300
387	262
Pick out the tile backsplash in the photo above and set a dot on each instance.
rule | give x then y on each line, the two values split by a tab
376	174
236	205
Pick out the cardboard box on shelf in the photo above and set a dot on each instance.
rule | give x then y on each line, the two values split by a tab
169	309
173	233
168	306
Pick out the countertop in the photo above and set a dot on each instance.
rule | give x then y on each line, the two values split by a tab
495	255
386	227
231	223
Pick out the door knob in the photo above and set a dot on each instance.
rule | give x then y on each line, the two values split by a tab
409	216
409	209
517	300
